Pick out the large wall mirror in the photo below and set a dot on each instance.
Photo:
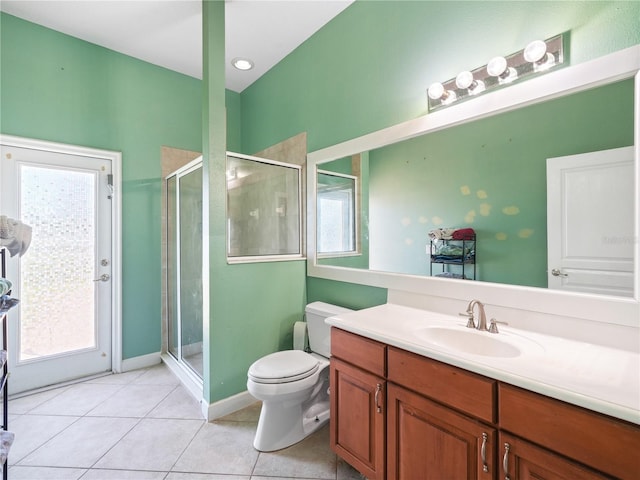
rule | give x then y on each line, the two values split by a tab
491	165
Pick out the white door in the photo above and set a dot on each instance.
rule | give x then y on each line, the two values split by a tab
62	328
590	222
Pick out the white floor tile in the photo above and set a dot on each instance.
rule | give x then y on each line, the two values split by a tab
132	401
347	472
221	447
145	425
99	474
178	404
311	458
118	378
32	431
205	476
154	444
77	400
279	478
27	403
157	375
45	473
82	444
248	414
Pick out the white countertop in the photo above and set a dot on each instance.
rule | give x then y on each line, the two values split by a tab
599	378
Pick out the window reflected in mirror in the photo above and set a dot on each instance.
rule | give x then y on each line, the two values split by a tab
336	216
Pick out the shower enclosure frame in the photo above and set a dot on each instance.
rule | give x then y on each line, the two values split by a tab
187	373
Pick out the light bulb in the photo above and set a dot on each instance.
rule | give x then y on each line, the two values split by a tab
435	91
535	51
242	63
465	81
497	66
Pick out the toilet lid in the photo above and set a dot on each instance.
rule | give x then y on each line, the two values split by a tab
283	367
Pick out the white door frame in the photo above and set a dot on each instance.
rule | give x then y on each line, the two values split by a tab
116	226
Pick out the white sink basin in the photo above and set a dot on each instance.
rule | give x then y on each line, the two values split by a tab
471	341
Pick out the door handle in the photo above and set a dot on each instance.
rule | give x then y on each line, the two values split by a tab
557	273
505	462
483	453
103	278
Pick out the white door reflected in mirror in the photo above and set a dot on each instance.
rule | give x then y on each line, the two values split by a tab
590	222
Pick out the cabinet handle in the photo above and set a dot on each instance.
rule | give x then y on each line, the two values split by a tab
483	453
505	462
378	390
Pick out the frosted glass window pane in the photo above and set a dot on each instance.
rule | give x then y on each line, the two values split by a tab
263	208
57	310
331	231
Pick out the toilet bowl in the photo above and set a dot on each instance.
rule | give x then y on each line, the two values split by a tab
293	385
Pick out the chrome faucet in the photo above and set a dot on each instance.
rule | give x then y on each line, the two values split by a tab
482	320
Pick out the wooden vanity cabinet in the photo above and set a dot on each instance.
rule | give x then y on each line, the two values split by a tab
402	416
358	402
570	436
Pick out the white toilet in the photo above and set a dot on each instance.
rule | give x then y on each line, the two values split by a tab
294	385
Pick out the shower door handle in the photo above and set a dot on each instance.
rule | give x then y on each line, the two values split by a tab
103	278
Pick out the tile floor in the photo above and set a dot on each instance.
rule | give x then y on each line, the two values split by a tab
144	425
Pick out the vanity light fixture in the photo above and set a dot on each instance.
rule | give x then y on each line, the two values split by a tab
242	63
536	58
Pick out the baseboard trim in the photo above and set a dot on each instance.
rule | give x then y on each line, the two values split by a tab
227	405
143	361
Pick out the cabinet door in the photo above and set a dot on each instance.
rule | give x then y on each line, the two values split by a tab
428	441
358	418
522	460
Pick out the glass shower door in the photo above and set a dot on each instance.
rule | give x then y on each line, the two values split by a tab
184	266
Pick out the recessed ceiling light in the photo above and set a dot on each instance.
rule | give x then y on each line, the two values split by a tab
242	63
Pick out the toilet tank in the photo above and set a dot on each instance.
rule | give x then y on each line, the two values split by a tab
319	332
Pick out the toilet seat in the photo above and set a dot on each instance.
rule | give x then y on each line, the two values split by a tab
283	367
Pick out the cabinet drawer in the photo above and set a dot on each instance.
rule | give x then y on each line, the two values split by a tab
362	352
457	388
601	442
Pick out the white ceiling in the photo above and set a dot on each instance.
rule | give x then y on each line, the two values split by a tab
168	33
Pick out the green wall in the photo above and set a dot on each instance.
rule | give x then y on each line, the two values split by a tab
369	68
58	88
